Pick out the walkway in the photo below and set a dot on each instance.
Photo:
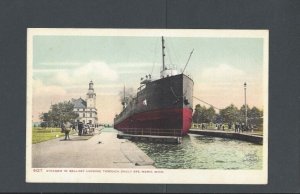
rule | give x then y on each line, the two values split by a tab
102	150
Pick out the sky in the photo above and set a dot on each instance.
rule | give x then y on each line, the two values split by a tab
64	65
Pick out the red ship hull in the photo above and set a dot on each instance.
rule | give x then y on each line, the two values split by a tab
168	122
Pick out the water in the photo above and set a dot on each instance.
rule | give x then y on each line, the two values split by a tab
202	152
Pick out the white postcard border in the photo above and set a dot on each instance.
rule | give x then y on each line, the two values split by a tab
163	176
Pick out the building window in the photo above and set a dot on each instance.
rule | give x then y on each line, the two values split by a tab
83	115
77	109
83	109
91	114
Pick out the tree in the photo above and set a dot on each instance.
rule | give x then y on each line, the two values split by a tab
44	124
218	119
255	116
243	110
45	117
203	115
198	114
230	114
211	114
242	115
59	113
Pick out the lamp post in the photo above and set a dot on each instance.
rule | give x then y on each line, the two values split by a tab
245	88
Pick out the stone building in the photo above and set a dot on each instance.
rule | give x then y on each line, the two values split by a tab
86	109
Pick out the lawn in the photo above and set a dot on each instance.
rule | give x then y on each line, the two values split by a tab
40	134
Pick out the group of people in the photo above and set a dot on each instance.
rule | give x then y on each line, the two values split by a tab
83	129
220	126
238	127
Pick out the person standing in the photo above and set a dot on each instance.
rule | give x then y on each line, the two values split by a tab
66	128
73	127
243	127
237	127
80	128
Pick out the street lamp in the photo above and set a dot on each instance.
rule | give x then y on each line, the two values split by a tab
245	88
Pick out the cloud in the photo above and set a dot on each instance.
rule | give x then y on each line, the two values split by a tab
133	72
133	68
133	65
223	79
41	90
97	70
43	95
223	85
46	70
63	78
222	74
59	63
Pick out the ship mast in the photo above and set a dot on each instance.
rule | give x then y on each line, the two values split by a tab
124	103
124	94
163	52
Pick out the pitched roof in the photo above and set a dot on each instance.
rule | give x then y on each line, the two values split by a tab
79	103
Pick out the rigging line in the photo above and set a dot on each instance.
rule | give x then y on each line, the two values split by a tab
173	92
188	60
206	103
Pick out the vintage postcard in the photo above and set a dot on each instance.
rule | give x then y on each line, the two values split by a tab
156	106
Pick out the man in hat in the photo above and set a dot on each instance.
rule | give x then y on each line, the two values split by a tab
80	128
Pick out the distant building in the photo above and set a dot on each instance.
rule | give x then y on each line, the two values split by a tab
86	109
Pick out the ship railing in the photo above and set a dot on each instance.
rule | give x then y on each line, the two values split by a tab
153	131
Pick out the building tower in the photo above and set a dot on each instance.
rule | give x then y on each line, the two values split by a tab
86	109
91	96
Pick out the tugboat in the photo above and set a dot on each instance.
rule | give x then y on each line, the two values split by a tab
161	107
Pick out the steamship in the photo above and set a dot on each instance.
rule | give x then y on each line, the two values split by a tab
161	106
